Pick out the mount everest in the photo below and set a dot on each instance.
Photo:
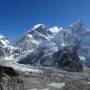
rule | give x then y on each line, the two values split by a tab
44	46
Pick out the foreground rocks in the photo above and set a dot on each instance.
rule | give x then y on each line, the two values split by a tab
50	79
8	70
9	79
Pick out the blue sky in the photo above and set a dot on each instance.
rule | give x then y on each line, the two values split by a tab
17	16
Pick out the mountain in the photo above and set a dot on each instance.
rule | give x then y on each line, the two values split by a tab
39	35
34	38
6	49
50	40
42	41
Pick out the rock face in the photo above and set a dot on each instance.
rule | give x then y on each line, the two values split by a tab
69	61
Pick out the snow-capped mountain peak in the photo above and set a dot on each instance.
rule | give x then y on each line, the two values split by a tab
39	26
3	40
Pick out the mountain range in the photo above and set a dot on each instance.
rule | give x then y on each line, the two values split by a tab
39	45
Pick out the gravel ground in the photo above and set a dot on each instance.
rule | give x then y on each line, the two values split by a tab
48	79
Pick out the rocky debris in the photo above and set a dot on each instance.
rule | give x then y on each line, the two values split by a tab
50	79
9	79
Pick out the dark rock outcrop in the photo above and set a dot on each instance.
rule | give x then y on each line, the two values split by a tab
68	60
8	71
10	79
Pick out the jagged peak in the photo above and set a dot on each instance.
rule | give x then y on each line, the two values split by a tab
39	26
77	26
